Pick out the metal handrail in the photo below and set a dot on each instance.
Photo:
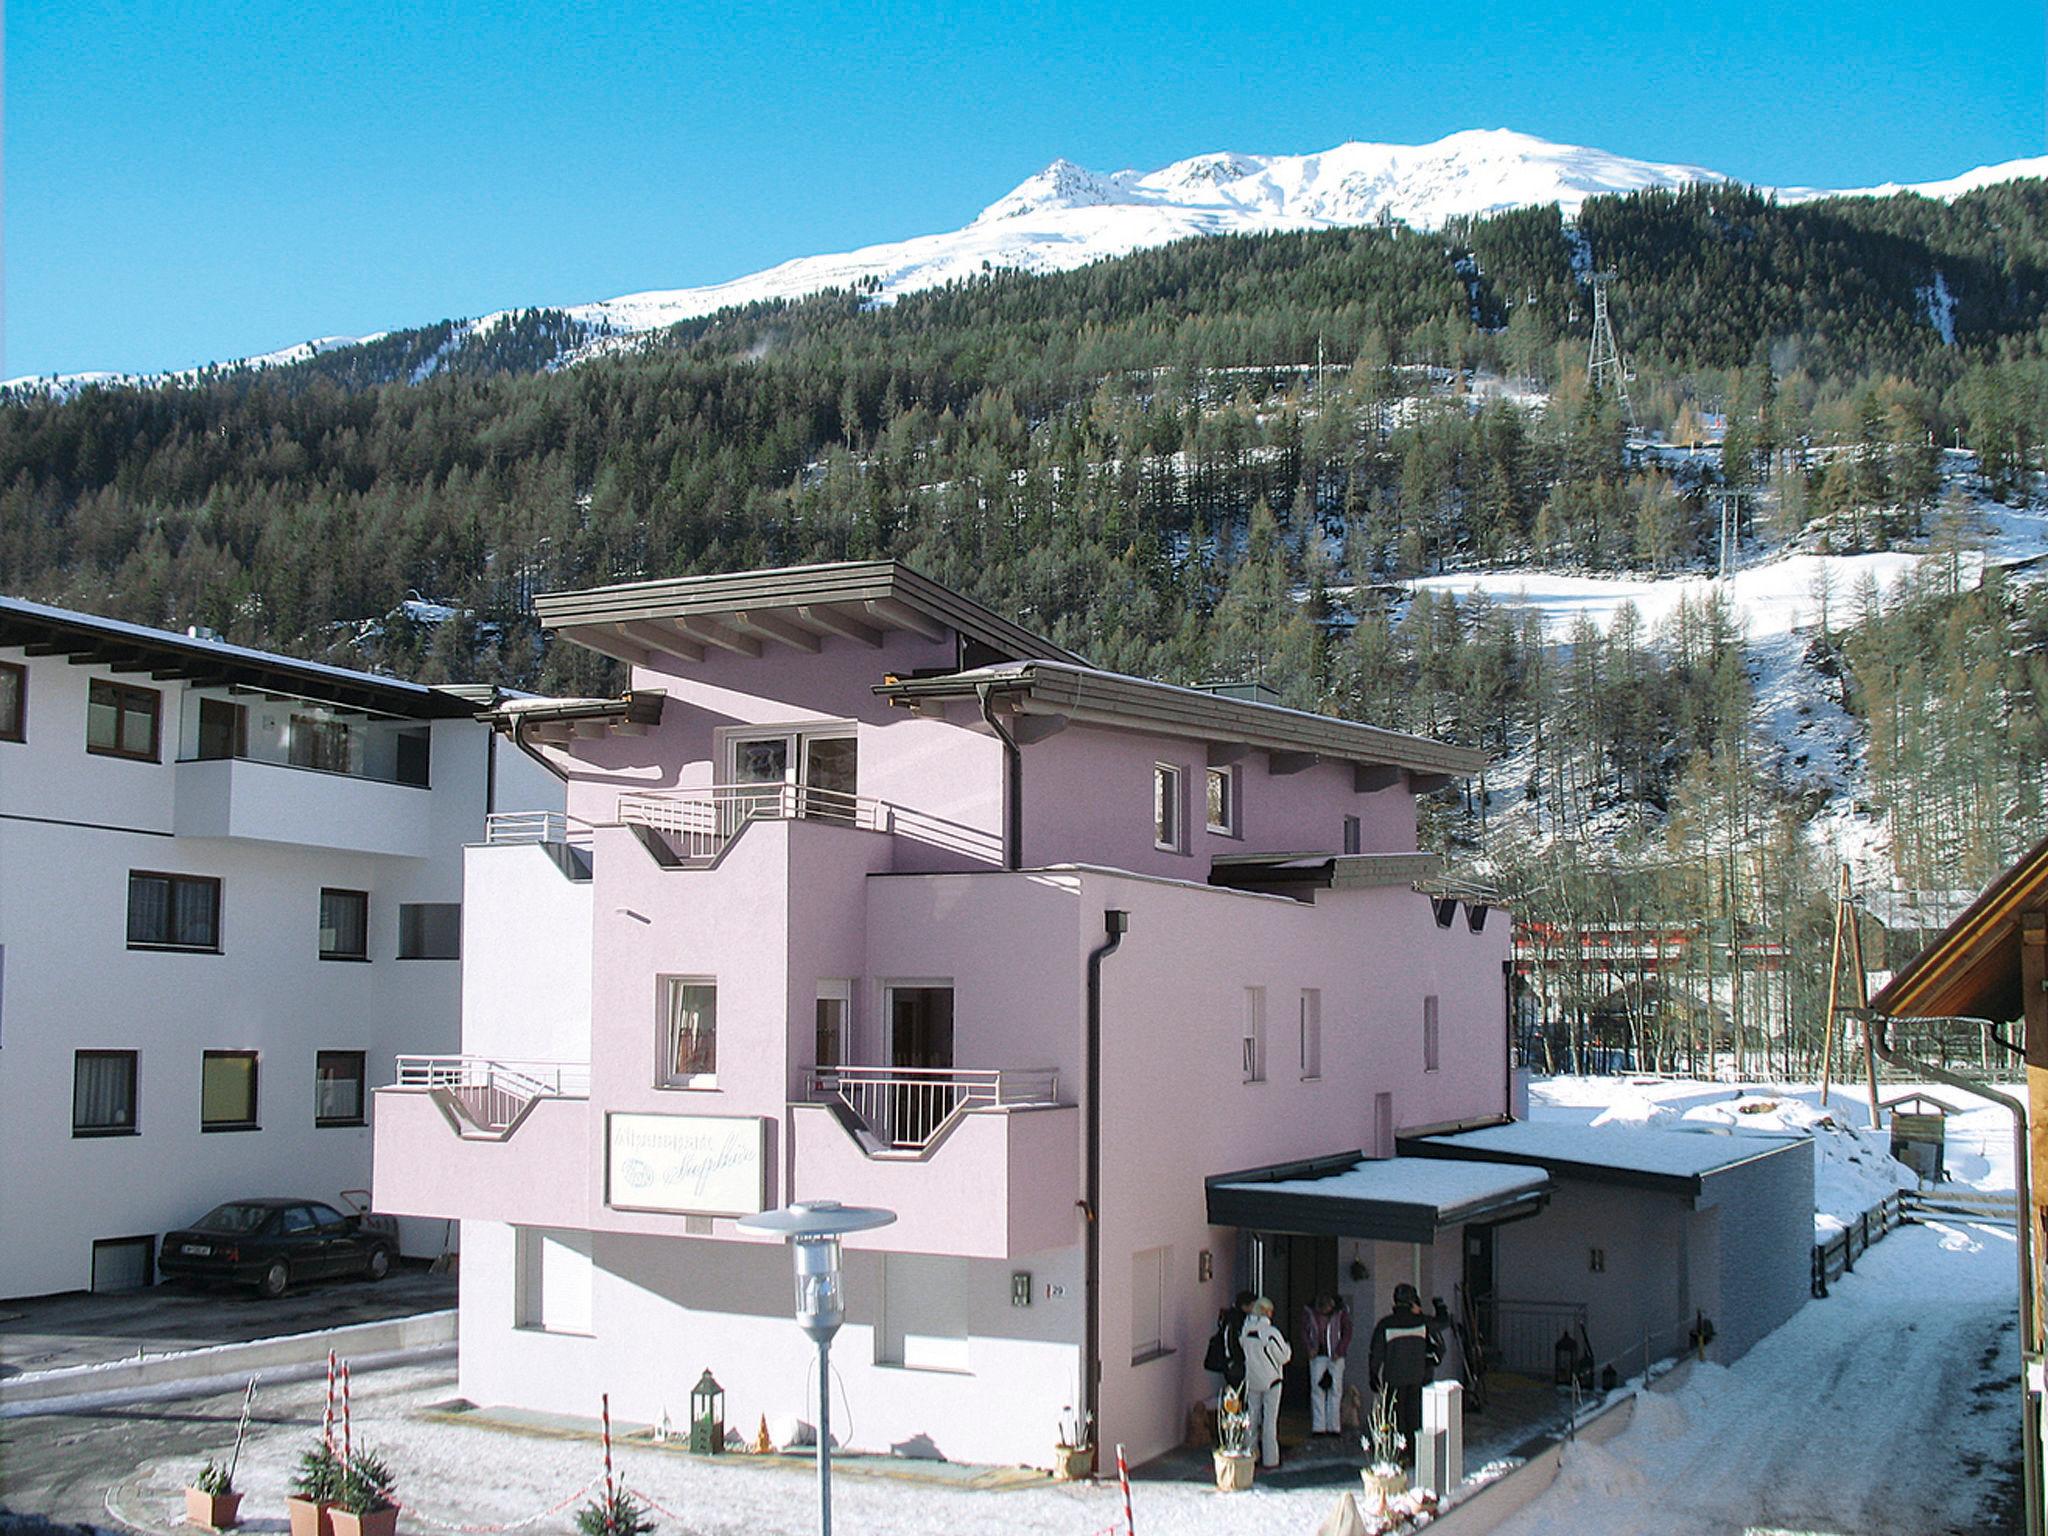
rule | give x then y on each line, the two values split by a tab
508	827
908	1107
532	1079
701	822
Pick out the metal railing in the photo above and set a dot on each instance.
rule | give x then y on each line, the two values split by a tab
1523	1335
501	827
906	1108
535	1079
700	822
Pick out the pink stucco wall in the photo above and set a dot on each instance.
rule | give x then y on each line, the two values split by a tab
540	1175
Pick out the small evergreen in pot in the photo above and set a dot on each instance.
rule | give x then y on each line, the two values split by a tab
211	1500
363	1505
315	1487
616	1513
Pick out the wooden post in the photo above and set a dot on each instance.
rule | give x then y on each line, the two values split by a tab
1827	1039
1863	1006
2034	1003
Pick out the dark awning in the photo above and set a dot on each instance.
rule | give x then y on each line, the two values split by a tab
1394	1199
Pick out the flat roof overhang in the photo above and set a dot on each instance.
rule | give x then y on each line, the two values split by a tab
1668	1162
1393	1199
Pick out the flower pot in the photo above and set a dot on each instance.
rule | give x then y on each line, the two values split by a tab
1071	1463
1233	1470
211	1511
378	1522
309	1517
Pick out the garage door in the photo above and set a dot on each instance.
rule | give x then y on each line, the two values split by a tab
123	1263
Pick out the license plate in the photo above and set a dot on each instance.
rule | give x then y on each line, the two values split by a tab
195	1250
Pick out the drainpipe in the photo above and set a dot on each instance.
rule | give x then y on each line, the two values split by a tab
1114	925
519	741
1013	783
2023	1213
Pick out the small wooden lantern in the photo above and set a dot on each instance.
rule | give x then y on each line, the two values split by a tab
707	1417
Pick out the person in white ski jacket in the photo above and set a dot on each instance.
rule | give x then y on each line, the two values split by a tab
1266	1353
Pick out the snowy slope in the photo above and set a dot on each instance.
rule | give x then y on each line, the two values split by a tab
1066	216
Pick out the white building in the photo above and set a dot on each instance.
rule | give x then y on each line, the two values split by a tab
230	888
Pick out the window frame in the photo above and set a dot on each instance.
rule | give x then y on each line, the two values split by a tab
1311	1034
363	927
124	695
362	1079
666	1078
1253	1036
840	992
1155	1265
1174	800
229	1127
171	946
1354	835
411	906
1227	773
133	1127
1432	1033
17	729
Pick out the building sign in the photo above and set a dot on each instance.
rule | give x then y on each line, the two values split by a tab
692	1165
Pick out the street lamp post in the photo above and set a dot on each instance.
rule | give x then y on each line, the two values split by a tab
813	1229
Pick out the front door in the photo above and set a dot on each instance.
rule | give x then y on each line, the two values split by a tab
921	1047
830	777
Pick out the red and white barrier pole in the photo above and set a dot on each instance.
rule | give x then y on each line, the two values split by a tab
1123	1476
606	1409
348	1443
327	1415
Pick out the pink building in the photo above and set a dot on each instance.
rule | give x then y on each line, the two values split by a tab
1120	994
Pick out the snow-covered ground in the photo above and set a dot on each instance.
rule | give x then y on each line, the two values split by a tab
1892	1406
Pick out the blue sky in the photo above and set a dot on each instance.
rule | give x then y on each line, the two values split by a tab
195	181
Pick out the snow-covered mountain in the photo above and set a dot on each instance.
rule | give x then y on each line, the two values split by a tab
1067	216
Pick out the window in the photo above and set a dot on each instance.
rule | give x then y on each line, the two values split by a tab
328	745
1354	836
344	925
173	912
121	721
1223	801
835	1000
924	1312
430	930
1383	1125
414	758
103	1093
338	1088
1311	1033
1166	807
1255	1034
1430	1061
1149	1270
552	1280
227	1091
689	1033
13	701
223	729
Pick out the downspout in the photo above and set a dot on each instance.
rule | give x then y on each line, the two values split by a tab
2023	1223
519	741
1013	784
1114	925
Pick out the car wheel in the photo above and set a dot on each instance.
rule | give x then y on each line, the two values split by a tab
379	1265
274	1280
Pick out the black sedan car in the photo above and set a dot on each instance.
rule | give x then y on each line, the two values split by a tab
271	1243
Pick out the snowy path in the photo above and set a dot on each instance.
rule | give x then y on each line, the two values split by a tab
1893	1406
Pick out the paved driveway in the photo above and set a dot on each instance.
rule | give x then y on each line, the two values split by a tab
80	1328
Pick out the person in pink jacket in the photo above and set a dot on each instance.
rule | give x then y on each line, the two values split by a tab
1326	1340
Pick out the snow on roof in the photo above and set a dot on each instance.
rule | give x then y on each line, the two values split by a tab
1442	1182
1632	1149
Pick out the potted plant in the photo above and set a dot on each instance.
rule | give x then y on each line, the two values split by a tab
1233	1451
315	1487
615	1513
364	1505
211	1501
1073	1455
1382	1442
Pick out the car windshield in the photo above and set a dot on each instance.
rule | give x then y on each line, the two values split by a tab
234	1218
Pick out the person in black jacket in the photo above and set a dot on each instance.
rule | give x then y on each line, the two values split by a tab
1404	1355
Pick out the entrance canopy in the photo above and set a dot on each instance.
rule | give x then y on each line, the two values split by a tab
1393	1199
1675	1162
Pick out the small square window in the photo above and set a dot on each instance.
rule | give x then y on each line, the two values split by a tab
344	925
1169	814
1223	801
173	912
227	1091
689	1033
121	721
1254	1041
338	1088
1354	836
1431	1060
1311	1033
103	1093
430	930
13	701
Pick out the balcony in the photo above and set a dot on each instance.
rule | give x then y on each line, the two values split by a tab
465	1138
566	839
982	1163
695	826
265	801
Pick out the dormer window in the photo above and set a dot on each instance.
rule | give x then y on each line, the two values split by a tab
1169	814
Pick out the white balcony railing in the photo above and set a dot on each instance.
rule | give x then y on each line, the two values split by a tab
502	827
489	1097
908	1108
699	823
